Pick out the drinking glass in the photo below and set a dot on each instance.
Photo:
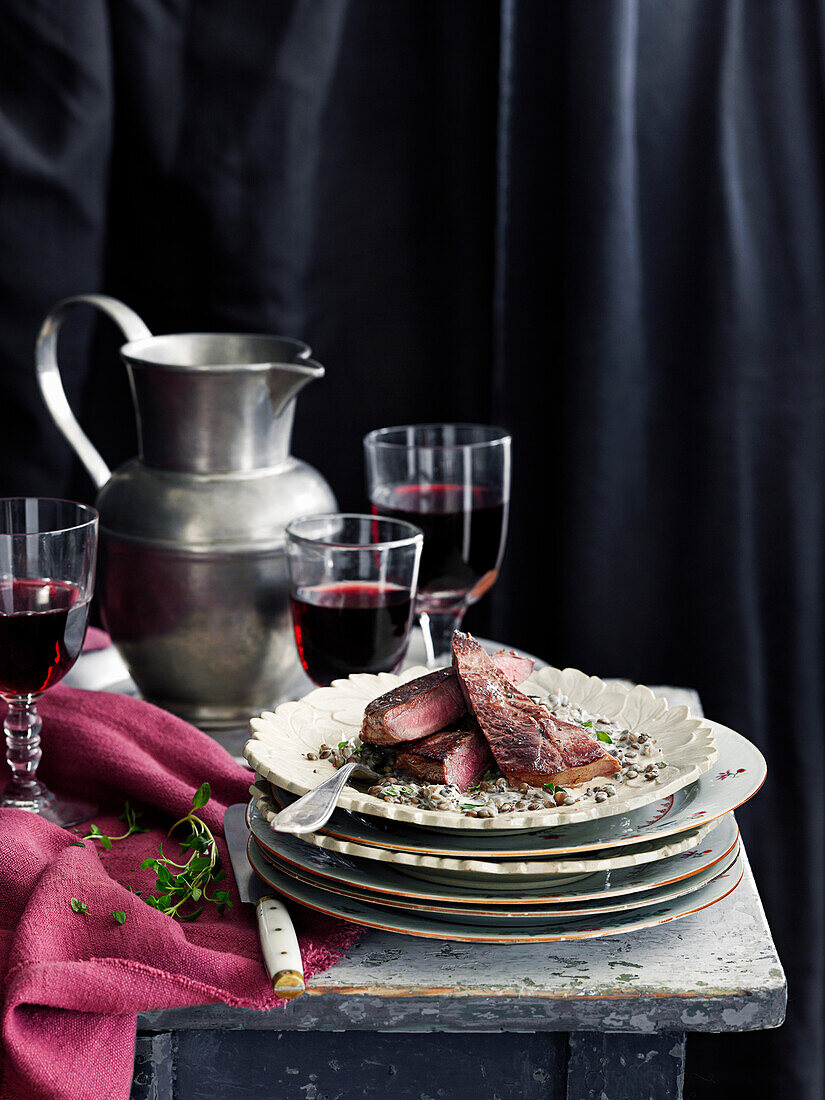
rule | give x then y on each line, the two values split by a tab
453	481
352	587
47	571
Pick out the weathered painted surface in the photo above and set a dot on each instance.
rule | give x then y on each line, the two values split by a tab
707	972
714	971
372	1065
154	1072
623	1067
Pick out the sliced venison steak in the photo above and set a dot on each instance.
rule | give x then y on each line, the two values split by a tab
414	709
513	733
568	755
515	668
456	757
429	703
528	743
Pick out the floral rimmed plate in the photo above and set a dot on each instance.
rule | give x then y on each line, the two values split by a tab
382	879
737	775
501	914
562	928
281	740
492	870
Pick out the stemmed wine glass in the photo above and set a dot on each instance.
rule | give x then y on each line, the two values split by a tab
453	481
352	586
47	570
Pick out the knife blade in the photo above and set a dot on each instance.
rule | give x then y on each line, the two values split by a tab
279	944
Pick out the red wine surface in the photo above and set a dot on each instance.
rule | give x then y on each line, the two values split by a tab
351	626
463	537
42	625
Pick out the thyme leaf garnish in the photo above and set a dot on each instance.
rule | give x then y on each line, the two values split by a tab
189	881
131	819
176	884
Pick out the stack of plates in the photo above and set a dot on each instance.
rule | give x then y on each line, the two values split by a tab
656	851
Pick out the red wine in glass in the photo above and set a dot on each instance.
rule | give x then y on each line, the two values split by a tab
47	568
42	625
351	626
464	529
452	481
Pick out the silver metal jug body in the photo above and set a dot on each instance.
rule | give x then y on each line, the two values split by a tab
192	576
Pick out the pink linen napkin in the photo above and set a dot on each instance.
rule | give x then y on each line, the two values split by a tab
95	639
74	982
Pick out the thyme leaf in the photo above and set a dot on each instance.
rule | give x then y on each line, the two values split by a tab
130	817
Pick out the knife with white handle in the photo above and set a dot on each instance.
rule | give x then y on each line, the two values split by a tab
279	944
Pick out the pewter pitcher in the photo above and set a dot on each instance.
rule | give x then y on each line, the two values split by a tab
192	576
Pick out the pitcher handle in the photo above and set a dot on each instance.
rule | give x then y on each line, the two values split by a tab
51	384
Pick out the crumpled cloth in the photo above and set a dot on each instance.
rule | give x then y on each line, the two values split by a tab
95	639
74	982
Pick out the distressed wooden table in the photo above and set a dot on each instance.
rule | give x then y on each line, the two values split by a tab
403	1017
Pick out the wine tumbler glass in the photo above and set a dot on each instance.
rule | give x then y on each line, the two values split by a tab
352	587
47	571
453	481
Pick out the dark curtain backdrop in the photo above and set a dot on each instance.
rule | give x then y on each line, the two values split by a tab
597	222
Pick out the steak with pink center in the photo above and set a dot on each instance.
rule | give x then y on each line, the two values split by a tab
428	704
528	743
456	757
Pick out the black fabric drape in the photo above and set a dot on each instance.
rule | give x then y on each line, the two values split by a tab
678	462
597	222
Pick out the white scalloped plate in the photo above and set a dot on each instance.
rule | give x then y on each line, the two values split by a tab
382	879
506	871
562	928
281	739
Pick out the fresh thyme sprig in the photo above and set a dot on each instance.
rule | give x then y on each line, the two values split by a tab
191	880
131	818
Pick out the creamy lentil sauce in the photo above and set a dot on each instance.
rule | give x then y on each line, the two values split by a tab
638	754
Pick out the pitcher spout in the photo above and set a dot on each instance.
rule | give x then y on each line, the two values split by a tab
214	403
286	380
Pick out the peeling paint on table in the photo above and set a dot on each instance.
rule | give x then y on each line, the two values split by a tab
713	971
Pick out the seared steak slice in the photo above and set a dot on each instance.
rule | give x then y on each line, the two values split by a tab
508	719
515	668
414	709
528	744
428	704
457	757
568	755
